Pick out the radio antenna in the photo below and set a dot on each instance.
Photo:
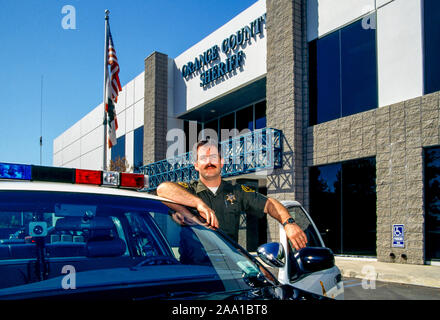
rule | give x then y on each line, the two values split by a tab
41	121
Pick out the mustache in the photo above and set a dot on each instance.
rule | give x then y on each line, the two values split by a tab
210	166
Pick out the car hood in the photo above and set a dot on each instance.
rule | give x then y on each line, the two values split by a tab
155	282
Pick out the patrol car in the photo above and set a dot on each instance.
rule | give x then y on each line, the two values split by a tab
327	281
82	234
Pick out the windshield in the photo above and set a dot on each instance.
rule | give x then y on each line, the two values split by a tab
135	240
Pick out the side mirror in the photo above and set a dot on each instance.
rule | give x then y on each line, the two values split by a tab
312	259
272	253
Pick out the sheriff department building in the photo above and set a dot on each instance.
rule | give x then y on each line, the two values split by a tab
334	104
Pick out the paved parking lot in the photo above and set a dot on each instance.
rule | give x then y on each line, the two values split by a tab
378	290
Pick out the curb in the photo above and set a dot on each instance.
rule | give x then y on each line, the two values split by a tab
420	275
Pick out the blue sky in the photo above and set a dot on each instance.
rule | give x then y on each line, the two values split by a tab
34	45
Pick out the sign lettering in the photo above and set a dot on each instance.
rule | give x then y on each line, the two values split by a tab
230	46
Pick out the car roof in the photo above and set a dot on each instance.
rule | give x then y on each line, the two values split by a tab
8	185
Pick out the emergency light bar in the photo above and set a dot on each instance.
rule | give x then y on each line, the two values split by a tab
14	171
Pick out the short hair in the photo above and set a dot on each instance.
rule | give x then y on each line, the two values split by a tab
205	142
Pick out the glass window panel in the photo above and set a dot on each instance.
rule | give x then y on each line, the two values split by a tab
118	150
327	72
313	85
343	205
138	149
189	129
342	73
245	119
213	125
186	131
432	201
325	203
431	45
359	72
359	207
260	115
227	123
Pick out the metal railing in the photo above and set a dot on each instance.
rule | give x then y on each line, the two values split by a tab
251	152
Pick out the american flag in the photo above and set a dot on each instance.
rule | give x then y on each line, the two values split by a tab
113	88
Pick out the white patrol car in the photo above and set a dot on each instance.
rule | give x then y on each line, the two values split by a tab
63	235
328	281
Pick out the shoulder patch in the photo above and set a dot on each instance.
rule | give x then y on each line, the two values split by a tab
183	184
247	189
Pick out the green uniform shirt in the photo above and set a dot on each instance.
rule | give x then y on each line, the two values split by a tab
229	202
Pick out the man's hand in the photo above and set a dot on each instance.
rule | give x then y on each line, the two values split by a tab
173	191
207	213
296	236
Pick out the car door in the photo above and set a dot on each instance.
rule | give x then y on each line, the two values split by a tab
326	282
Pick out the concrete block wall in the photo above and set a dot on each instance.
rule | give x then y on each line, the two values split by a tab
286	96
395	135
155	107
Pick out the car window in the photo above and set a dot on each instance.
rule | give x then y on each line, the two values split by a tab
43	232
300	217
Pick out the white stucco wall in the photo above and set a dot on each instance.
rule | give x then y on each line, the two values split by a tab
399	51
188	94
80	146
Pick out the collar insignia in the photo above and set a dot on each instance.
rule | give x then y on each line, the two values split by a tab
247	189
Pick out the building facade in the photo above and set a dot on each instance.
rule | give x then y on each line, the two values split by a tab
334	104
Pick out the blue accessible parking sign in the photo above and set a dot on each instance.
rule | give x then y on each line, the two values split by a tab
398	236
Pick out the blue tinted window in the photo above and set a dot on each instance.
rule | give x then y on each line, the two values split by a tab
227	123
359	202
342	73
341	194
138	149
325	203
212	125
328	78
260	115
432	45
432	203
118	151
359	74
245	119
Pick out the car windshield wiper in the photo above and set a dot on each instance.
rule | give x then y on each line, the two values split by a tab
157	260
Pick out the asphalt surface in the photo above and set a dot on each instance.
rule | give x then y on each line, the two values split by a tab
359	289
410	274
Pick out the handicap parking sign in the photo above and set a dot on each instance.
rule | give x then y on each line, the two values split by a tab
398	236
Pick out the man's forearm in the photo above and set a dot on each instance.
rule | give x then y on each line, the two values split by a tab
293	232
173	191
276	210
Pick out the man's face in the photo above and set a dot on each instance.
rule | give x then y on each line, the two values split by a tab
209	164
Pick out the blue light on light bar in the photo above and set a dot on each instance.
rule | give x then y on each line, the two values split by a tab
15	171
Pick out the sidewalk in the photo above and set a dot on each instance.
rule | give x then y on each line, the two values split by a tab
422	275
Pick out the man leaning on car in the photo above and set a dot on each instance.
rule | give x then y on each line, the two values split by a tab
220	202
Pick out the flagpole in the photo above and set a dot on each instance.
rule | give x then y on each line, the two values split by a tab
104	166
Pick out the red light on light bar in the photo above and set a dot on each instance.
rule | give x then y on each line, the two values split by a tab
132	180
88	176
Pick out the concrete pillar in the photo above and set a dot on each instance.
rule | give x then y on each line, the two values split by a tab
287	97
155	107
